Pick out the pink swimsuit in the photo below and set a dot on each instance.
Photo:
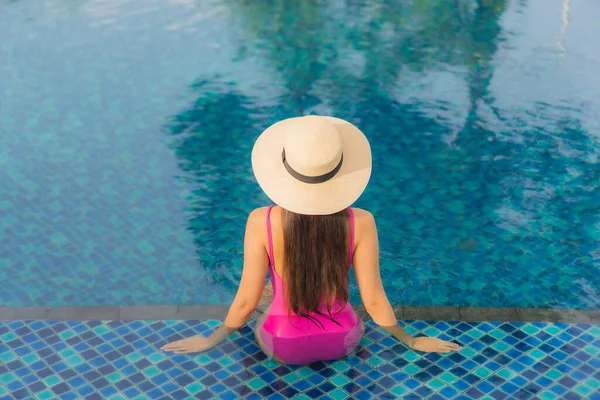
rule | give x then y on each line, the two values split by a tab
301	341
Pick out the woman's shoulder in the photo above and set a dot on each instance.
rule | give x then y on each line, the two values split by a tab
363	216
260	211
364	225
258	214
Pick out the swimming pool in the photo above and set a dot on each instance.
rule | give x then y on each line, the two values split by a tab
125	136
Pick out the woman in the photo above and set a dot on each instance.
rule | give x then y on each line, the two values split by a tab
313	168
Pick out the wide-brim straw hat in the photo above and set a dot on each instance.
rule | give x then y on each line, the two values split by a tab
312	165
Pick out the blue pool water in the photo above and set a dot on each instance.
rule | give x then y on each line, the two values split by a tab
126	129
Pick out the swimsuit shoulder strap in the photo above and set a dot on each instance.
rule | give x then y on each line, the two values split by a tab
351	247
270	236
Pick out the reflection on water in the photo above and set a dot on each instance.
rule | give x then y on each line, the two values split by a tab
485	144
565	20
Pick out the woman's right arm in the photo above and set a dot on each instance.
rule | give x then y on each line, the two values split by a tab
372	293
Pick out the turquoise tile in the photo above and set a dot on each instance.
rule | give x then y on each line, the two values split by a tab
66	334
291	378
500	346
7	337
498	334
547	395
156	358
340	366
435	384
593	383
114	377
483	372
399	390
448	377
340	380
7	378
150	372
52	380
375	361
256	383
194	388
338	394
583	390
537	354
411	369
46	394
553	375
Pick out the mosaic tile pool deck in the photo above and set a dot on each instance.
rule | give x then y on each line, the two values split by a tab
119	360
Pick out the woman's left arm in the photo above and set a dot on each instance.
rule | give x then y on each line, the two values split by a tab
254	273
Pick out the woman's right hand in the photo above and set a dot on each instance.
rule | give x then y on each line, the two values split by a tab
434	345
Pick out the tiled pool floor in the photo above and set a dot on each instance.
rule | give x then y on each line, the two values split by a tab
120	360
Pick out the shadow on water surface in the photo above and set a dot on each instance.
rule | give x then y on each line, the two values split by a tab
495	207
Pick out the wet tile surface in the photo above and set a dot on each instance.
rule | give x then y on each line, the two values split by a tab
431	313
83	313
487	314
119	359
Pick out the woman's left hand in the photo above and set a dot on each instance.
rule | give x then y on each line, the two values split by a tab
190	345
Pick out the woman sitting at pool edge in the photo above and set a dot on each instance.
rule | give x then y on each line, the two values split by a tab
313	168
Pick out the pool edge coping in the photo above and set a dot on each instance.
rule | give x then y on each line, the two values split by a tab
207	311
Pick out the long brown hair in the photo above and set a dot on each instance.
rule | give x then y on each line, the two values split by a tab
316	262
